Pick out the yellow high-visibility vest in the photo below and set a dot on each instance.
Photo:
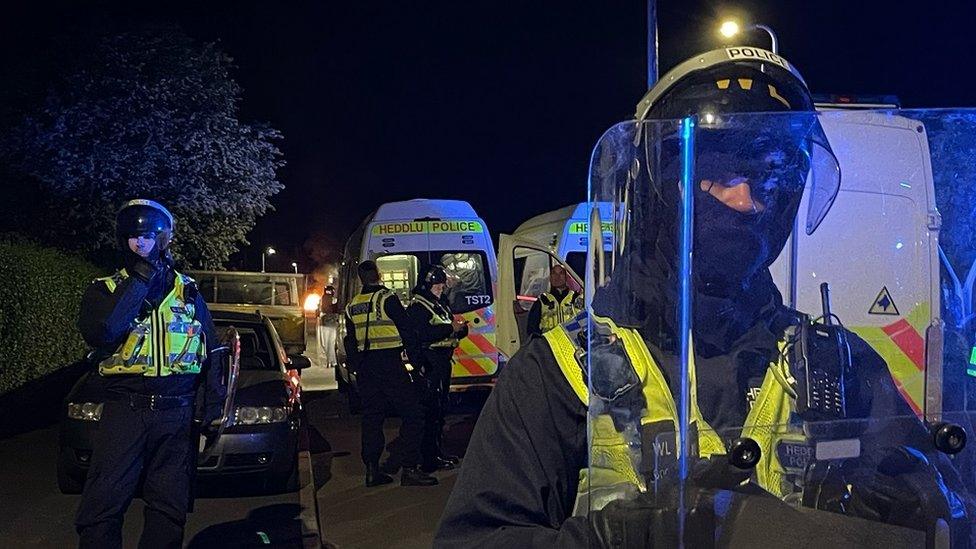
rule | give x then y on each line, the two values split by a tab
437	319
367	313
168	341
556	312
610	455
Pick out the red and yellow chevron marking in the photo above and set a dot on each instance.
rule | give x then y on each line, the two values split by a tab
477	354
902	345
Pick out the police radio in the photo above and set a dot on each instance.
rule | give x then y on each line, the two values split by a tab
820	360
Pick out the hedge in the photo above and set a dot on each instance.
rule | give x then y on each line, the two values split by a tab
40	293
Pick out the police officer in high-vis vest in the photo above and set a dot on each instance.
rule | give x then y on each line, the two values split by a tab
557	306
438	334
157	359
578	444
376	330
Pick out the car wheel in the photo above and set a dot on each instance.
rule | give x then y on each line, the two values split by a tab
71	480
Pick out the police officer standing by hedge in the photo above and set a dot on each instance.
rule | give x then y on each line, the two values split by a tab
438	333
376	325
155	346
557	306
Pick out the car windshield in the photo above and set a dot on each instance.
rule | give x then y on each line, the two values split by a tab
255	346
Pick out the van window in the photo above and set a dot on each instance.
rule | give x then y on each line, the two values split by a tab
469	280
468	283
577	261
255	290
399	273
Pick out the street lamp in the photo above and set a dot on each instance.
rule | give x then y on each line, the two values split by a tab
294	266
268	251
731	28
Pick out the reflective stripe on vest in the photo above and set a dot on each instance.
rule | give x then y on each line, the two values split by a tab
369	308
557	312
437	320
610	456
168	341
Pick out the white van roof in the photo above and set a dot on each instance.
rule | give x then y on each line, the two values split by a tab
558	217
419	208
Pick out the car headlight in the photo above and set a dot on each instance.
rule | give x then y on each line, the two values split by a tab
259	415
85	411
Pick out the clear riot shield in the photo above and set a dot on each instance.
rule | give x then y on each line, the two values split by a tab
815	340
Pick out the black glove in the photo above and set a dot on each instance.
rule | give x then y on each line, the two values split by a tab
900	486
141	268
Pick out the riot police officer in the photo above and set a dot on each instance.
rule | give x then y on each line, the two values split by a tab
377	329
557	306
438	333
156	351
576	447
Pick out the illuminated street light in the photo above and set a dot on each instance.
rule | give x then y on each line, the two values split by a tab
731	28
294	266
268	251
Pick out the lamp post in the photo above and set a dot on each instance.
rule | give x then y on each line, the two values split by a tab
267	251
294	266
731	28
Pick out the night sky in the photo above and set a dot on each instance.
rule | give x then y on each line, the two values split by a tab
496	103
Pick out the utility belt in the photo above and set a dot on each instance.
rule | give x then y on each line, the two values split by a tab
139	401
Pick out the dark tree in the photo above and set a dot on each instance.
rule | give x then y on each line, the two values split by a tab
148	114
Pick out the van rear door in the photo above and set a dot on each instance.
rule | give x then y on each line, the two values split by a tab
523	274
881	217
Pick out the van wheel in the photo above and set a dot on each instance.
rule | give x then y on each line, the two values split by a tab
70	479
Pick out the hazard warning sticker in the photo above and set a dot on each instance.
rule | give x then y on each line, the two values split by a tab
884	304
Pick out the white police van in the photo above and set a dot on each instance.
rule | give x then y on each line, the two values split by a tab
404	237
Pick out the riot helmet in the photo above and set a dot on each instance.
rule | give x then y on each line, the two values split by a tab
433	274
758	143
143	217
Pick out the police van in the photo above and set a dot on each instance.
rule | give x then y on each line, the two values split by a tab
404	237
885	215
566	232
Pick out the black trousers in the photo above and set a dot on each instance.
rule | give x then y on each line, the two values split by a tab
132	442
437	363
384	382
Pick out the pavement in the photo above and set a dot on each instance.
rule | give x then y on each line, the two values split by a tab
331	508
353	516
33	513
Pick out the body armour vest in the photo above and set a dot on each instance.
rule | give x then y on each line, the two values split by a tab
168	341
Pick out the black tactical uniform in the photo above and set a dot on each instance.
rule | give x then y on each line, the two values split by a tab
145	430
379	318
430	318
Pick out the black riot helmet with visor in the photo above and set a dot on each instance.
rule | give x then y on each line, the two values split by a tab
433	274
775	155
143	217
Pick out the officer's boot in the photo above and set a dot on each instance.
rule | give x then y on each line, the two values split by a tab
451	461
414	476
375	477
391	465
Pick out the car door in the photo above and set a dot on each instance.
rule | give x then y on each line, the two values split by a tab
523	274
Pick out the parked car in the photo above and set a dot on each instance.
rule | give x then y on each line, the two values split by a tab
261	437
